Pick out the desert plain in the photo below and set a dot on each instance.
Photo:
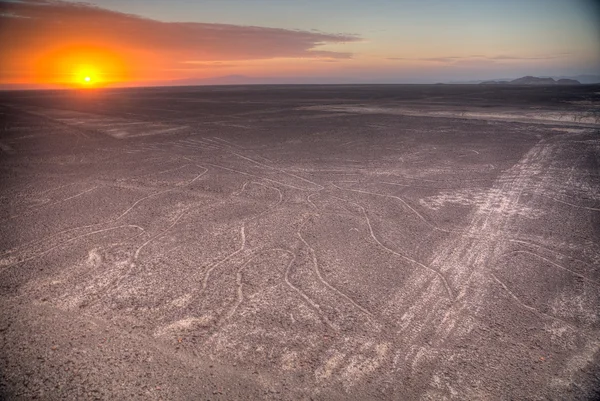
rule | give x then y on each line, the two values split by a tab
367	242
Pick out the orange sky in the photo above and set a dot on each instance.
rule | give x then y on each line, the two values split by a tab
61	43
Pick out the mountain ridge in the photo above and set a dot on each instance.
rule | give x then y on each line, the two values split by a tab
531	80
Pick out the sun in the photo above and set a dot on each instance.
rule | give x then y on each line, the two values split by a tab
86	75
81	66
86	78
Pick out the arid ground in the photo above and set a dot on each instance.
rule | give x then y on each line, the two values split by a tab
301	242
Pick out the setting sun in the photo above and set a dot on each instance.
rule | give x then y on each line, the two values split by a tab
86	74
81	65
86	79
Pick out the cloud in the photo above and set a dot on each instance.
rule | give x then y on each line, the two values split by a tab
548	57
480	58
444	59
32	27
447	59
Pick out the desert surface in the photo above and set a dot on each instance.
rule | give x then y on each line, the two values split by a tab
434	242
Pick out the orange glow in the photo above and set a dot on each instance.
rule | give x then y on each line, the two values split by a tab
77	66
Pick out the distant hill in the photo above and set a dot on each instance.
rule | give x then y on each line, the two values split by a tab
265	80
530	80
493	82
566	81
584	79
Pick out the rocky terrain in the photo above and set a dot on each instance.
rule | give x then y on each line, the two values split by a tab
301	242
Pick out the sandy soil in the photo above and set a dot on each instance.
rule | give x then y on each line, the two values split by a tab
327	242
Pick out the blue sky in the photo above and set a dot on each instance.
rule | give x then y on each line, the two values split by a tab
411	28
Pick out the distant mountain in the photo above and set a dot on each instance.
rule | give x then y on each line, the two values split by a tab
247	80
295	80
566	81
327	80
584	79
493	82
530	80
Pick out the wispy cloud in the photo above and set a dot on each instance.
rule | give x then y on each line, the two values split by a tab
546	57
477	57
35	25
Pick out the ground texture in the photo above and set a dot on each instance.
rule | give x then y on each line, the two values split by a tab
327	242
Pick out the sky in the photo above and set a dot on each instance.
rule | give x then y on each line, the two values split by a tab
152	42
